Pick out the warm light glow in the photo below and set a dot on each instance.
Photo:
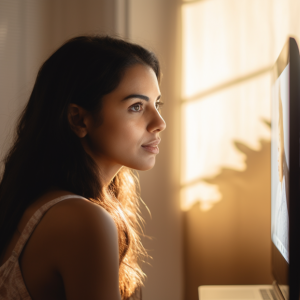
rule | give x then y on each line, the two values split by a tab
202	192
213	123
224	40
229	47
211	126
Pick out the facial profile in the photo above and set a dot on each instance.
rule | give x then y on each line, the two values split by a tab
130	123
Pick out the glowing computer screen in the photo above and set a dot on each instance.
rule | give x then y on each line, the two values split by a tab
280	164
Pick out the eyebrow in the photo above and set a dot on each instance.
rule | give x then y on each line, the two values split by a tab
143	97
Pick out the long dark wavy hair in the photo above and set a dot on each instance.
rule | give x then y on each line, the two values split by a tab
46	152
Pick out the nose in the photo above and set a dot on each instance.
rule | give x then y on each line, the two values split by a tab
157	123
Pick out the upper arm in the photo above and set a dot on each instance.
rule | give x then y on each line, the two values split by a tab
87	256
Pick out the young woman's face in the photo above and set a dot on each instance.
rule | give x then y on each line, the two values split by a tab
128	134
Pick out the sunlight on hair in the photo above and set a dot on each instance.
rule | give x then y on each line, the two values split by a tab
228	51
130	178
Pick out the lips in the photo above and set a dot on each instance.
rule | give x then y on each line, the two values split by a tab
153	143
152	146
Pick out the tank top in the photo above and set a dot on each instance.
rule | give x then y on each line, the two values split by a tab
12	285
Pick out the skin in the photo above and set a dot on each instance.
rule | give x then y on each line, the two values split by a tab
73	252
127	124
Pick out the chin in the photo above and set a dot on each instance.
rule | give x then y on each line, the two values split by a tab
143	166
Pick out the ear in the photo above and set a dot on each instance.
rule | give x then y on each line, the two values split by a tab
78	119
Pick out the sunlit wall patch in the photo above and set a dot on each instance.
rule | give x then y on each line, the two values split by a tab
205	194
226	79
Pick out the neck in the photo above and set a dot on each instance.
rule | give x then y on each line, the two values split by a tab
108	169
107	172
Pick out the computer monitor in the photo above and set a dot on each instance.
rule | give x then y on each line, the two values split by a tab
285	163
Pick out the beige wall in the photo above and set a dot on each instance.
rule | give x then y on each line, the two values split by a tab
68	18
230	244
30	31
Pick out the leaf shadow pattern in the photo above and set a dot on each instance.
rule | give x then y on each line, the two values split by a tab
230	243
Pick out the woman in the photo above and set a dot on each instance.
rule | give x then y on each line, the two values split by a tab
68	202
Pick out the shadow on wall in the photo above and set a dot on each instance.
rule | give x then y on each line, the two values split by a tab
231	244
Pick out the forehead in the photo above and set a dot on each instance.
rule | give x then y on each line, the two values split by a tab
139	79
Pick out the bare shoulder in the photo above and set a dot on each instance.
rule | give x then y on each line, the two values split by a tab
80	220
82	243
80	213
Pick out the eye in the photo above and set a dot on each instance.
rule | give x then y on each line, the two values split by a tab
158	104
137	107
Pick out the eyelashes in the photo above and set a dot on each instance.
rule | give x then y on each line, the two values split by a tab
158	104
138	107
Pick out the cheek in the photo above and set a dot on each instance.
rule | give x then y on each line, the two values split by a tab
120	142
115	135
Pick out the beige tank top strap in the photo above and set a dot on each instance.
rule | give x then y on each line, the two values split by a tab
34	221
